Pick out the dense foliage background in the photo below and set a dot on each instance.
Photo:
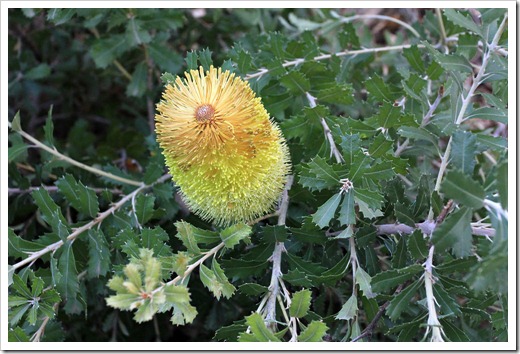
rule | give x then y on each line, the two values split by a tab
408	106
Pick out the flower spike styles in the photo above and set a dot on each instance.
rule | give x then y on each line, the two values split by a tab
228	158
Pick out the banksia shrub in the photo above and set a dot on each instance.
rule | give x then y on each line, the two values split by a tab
228	158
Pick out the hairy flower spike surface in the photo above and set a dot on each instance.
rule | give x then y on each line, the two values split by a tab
228	158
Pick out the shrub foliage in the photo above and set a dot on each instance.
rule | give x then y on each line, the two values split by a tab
392	226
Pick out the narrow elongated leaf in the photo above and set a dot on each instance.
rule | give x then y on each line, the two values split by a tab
68	286
364	281
326	212
417	245
401	301
185	234
314	332
347	213
385	281
349	309
99	254
300	304
16	150
454	232
81	198
413	55
47	206
144	207
489	114
447	303
137	85
464	21
227	288
463	189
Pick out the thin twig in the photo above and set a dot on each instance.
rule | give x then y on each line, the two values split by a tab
433	321
102	216
60	156
378	17
441	25
427	227
263	71
52	189
328	134
367	332
276	258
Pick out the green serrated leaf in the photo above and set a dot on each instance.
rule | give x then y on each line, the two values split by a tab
349	309
137	85
488	113
81	198
385	281
136	35
144	207
15	124
231	236
364	281
297	278
347	213
464	21
314	332
401	301
205	58
417	245
296	82
318	174
463	151
68	285
105	51
99	254
381	91
388	115
447	303
454	232
186	235
326	212
413	55
463	189
227	288
253	289
47	206
276	233
259	330
300	304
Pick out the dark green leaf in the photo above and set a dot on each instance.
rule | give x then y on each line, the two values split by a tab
404	215
191	60
502	183
453	333
49	128
377	88
464	21
388	116
205	58
135	34
253	289
318	174
454	232
488	113
447	303
417	245
105	51
463	189
296	82
277	233
38	72
413	55
401	301
99	254
137	85
68	286
144	207
297	278
81	198
385	281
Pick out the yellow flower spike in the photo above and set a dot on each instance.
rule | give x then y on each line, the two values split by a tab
228	158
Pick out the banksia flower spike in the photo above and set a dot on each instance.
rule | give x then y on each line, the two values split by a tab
228	158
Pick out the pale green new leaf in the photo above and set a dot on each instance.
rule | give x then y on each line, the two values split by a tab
186	235
300	304
232	235
259	330
314	332
227	288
